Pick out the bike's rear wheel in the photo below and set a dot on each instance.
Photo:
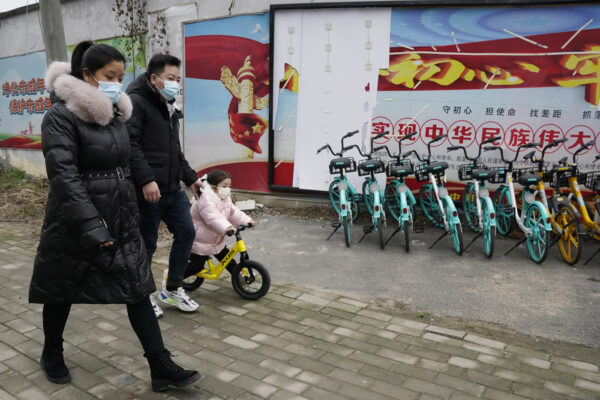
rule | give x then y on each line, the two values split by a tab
470	207
504	212
538	244
570	242
346	228
250	280
430	206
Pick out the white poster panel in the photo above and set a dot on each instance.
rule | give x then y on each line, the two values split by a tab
342	52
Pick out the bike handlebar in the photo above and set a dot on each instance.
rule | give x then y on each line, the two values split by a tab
349	134
386	149
239	229
510	162
554	143
405	155
345	149
490	140
597	158
583	148
408	136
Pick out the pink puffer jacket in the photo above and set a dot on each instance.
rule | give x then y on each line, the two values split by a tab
212	216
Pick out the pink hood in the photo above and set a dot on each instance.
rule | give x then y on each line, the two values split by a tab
212	216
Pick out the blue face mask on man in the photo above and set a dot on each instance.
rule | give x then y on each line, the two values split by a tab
112	90
170	90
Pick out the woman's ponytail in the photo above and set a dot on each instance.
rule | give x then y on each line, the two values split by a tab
77	58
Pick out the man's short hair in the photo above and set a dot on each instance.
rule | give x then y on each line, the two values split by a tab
157	63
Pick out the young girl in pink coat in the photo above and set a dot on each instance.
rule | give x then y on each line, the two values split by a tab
214	214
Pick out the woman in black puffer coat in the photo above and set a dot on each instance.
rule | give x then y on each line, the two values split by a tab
91	250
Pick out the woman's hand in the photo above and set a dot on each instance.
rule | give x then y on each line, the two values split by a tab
106	244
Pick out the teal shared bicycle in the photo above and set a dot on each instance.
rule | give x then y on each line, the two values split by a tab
372	193
399	200
477	205
534	219
341	192
434	199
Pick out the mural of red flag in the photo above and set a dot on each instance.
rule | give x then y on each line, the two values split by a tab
218	57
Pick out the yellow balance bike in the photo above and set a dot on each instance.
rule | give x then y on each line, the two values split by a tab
565	219
249	278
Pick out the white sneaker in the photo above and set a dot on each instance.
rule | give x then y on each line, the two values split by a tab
164	280
157	310
178	299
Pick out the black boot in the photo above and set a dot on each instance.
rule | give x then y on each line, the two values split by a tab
53	364
165	372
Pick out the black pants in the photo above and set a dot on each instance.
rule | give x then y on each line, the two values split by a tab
141	316
196	263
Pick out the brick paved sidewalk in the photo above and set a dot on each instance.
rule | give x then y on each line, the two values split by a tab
296	343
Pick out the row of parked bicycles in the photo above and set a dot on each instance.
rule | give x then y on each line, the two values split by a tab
564	218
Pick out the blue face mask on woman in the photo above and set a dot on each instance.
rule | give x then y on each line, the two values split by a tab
170	90
112	90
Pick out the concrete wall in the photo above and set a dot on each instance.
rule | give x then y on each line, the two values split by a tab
20	34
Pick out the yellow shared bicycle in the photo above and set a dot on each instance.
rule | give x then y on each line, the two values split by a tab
249	278
568	175
564	217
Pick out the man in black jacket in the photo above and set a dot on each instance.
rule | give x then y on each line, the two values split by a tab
158	166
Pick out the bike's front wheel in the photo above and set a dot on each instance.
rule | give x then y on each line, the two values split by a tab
457	237
406	235
334	197
192	283
430	206
346	228
470	207
489	231
379	229
570	242
250	280
392	201
538	244
504	211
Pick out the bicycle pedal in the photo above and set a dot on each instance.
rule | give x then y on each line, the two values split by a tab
418	227
335	222
368	229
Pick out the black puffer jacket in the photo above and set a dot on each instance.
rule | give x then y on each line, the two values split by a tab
81	134
155	149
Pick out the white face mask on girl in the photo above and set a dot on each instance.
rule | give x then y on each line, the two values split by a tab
223	192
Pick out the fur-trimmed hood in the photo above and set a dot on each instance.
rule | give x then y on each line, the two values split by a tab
84	100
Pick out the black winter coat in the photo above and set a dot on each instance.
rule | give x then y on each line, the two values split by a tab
80	133
155	149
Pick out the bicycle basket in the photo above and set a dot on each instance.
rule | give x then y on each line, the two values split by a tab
547	175
421	174
374	165
519	172
560	177
464	172
592	179
402	168
337	164
498	175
